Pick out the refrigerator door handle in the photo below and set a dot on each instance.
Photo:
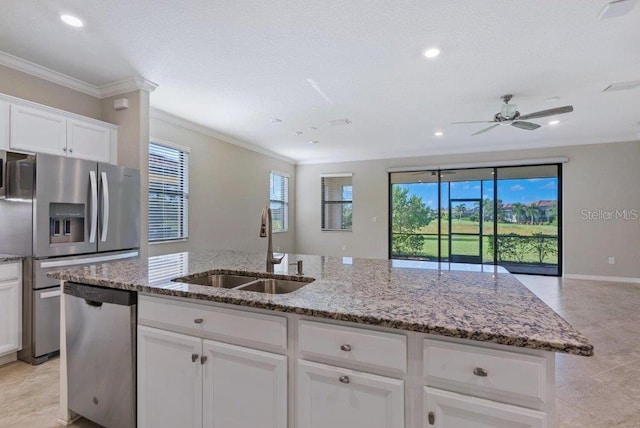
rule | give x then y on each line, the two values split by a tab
105	206
94	206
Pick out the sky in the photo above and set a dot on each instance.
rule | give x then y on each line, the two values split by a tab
520	190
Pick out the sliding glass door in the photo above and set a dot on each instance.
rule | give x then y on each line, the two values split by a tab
505	215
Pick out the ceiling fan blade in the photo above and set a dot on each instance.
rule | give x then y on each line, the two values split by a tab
545	113
485	129
529	126
474	121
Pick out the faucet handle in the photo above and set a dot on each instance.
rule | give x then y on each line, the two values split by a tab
299	265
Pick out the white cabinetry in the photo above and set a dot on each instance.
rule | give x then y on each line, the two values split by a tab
337	396
329	396
243	387
10	308
35	128
188	380
88	141
473	386
444	409
169	379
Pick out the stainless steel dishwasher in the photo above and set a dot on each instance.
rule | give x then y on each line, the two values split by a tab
101	353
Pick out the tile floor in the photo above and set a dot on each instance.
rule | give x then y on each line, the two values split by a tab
600	392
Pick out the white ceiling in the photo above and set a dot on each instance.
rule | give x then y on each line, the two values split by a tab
234	65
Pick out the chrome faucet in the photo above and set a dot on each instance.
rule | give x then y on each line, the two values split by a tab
266	232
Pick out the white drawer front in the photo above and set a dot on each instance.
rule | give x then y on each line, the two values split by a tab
226	325
347	345
498	375
9	271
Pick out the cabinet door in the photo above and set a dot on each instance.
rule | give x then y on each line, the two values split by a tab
333	397
10	316
243	387
39	131
4	125
169	379
444	409
88	141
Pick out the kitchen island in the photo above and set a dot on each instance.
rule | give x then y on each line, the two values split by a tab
371	343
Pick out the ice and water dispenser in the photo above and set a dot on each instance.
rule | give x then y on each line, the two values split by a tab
66	223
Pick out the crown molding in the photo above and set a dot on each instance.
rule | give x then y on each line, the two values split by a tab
128	85
45	73
187	124
108	90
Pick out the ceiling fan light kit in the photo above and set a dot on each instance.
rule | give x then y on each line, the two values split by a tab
509	115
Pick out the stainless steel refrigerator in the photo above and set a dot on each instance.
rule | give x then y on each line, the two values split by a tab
60	212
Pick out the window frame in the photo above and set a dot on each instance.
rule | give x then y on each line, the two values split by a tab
343	202
185	152
285	201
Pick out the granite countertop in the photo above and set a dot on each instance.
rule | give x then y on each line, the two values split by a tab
9	258
484	303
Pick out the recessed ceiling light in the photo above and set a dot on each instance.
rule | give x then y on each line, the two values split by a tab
72	20
438	133
313	128
554	122
314	142
276	120
552	99
297	133
432	53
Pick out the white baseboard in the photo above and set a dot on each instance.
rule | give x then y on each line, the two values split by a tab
602	278
9	358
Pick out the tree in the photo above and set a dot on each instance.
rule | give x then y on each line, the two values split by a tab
460	210
552	211
518	211
531	212
409	215
543	245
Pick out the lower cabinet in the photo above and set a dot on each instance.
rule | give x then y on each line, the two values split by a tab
335	397
186	381
10	308
445	409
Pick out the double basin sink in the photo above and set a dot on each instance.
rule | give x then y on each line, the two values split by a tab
248	282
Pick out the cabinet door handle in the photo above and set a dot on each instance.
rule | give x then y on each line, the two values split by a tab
432	418
198	320
344	379
479	371
345	348
70	150
64	149
194	358
203	359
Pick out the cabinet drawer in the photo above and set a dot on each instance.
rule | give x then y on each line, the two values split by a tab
226	325
9	271
498	375
355	346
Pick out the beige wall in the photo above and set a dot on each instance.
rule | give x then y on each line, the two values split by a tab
25	86
133	149
602	176
228	187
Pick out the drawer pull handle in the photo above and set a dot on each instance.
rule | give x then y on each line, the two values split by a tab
346	348
198	320
344	379
203	359
194	358
479	371
432	418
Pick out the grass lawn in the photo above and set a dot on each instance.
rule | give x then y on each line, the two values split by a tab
468	245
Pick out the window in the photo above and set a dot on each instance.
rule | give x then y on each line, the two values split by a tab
168	192
337	201
279	200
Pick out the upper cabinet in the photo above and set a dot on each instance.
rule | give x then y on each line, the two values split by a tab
34	128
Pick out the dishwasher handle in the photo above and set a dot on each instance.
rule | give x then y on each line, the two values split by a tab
96	296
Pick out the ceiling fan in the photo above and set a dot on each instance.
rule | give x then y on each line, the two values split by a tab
509	115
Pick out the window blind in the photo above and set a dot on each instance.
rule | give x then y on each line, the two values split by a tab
337	202
279	200
168	193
